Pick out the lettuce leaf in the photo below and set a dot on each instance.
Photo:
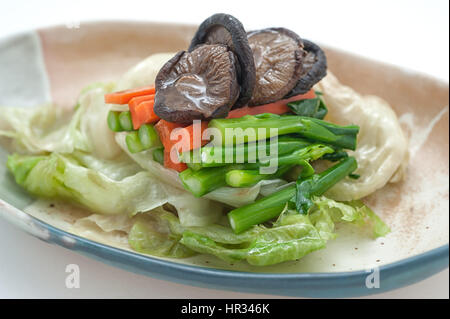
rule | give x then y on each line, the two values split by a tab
158	234
290	239
116	186
231	196
54	129
292	236
328	211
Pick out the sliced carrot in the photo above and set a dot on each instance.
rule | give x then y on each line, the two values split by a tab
168	163
123	97
143	113
165	128
139	99
278	107
190	130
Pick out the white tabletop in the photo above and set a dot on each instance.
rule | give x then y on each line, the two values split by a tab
412	34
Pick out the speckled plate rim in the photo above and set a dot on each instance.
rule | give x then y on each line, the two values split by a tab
318	285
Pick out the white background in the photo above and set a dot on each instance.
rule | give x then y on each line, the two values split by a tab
412	34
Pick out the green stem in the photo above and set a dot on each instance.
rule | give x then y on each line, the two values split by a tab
269	207
247	178
332	175
158	155
113	121
213	156
148	136
260	211
205	180
133	142
260	128
125	121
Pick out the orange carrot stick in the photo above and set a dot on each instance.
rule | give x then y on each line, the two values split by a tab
143	113
123	97
278	107
168	163
139	99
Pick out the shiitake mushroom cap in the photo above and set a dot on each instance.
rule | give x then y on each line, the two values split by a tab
278	55
225	29
314	68
201	84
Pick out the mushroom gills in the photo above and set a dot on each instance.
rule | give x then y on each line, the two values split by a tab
278	55
227	30
201	84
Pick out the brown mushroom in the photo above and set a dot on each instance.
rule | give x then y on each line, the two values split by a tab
201	84
314	68
278	55
225	29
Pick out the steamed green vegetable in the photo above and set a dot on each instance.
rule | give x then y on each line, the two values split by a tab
133	142
142	139
336	156
354	212
265	126
158	155
288	240
212	156
246	177
113	121
269	207
125	121
148	136
207	179
309	107
158	234
318	184
54	129
64	176
118	186
291	237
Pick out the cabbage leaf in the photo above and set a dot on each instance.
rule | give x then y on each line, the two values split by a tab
116	186
50	128
292	235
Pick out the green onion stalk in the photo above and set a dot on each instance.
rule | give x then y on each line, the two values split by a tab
205	180
213	156
300	193
267	125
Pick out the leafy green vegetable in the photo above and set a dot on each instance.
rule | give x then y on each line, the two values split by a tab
292	236
297	195
158	155
309	107
318	184
291	239
354	212
125	121
158	233
212	156
246	178
336	156
265	126
117	186
205	180
54	129
64	177
148	136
